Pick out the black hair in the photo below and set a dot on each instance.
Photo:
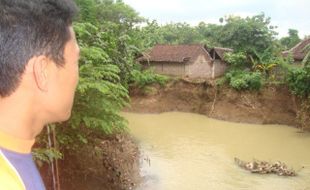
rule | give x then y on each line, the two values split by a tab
31	28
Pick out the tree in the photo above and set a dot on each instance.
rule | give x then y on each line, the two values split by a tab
102	31
209	33
117	12
179	33
236	60
117	21
249	34
264	62
100	95
291	40
147	36
88	10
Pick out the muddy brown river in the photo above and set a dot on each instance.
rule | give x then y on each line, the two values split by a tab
183	151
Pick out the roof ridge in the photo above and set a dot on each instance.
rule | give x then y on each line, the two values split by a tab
179	45
300	43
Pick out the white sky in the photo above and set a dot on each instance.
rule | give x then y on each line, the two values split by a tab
284	13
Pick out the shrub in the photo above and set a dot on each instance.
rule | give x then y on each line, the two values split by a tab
299	81
221	81
143	78
242	80
236	60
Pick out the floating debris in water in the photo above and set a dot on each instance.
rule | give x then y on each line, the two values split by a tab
263	167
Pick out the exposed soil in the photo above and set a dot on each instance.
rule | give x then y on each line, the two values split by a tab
270	105
111	164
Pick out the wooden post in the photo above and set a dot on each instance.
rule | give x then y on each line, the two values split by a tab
56	160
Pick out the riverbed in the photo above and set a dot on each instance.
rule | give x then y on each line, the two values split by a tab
185	151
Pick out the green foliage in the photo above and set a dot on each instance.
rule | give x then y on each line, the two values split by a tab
242	34
291	40
265	61
236	60
97	12
209	34
152	34
100	94
117	12
113	29
299	81
247	35
242	80
143	78
149	35
185	35
177	33
221	81
103	32
87	10
42	155
278	73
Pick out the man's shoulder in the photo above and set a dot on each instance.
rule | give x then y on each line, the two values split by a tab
9	178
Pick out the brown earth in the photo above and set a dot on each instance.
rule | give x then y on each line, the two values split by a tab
273	104
111	163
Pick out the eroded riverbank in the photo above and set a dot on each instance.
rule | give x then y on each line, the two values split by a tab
111	162
271	105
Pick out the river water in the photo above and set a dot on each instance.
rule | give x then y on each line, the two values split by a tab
184	151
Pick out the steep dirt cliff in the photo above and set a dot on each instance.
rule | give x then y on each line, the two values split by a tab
270	105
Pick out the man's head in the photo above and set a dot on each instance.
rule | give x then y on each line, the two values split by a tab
39	55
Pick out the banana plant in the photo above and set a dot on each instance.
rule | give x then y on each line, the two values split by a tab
264	63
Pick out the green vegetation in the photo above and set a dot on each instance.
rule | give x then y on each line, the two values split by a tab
107	57
291	40
242	80
141	79
249	34
299	81
236	60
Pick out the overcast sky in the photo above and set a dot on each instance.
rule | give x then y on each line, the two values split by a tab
284	13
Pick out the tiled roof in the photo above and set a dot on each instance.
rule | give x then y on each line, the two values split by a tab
174	53
298	50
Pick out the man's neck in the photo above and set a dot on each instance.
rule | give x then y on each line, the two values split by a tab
19	121
21	130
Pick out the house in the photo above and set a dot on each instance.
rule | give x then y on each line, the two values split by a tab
193	61
297	51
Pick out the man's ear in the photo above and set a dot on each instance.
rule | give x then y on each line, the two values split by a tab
40	72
